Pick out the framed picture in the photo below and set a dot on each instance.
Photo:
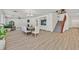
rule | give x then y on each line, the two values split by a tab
43	21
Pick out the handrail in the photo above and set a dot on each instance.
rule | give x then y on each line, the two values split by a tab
63	23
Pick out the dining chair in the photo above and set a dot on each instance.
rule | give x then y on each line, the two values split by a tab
24	29
36	31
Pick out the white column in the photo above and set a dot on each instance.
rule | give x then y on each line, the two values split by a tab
2	20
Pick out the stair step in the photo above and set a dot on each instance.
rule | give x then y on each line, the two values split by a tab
58	27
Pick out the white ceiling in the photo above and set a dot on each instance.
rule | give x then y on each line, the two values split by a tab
22	13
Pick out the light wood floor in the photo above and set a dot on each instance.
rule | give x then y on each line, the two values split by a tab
68	40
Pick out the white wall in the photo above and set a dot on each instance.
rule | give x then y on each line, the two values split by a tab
67	23
2	19
75	23
18	22
51	21
54	21
74	17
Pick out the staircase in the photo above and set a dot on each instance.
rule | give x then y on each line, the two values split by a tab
60	25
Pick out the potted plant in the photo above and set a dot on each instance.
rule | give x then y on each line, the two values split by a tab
2	37
7	26
10	26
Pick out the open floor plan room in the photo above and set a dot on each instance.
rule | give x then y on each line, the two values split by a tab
45	40
39	29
